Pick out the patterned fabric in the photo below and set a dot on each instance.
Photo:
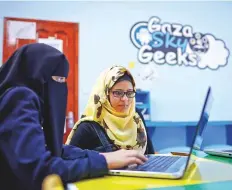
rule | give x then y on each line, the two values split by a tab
126	130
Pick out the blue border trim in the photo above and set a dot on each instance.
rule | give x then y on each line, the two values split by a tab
228	134
189	123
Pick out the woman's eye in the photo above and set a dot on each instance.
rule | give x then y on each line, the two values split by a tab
59	79
118	93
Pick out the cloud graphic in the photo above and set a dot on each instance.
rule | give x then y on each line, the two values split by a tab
144	36
216	56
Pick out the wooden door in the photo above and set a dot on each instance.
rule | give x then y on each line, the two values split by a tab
18	31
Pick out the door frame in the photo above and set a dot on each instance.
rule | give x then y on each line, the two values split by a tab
76	52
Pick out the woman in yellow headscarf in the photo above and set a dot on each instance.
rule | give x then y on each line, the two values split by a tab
110	120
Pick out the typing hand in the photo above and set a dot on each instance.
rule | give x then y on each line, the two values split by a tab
122	158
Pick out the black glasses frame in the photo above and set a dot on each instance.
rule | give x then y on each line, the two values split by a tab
129	94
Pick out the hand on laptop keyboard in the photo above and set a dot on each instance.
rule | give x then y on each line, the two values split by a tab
122	158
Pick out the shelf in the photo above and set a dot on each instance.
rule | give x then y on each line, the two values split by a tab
143	103
143	106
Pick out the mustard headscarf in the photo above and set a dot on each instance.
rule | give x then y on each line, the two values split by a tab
126	130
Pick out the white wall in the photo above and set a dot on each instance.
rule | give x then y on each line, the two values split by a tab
104	40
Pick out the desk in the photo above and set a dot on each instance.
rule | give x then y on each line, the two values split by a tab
208	172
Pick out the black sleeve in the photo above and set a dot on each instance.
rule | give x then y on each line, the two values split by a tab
150	148
85	136
23	145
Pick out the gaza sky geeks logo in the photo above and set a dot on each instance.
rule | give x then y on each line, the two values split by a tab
176	44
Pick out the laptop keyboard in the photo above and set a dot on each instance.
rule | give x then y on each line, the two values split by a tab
157	163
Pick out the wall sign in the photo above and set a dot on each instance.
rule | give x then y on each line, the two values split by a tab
176	44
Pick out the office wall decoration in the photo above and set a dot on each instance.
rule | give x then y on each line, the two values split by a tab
175	44
146	76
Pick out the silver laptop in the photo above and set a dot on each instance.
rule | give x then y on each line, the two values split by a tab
166	166
226	152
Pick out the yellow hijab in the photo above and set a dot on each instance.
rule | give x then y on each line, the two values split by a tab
126	130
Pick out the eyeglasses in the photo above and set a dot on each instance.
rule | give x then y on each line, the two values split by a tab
120	94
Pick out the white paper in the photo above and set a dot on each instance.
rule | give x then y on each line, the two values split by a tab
56	43
20	30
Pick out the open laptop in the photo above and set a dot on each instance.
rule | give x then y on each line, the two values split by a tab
226	152
166	166
203	122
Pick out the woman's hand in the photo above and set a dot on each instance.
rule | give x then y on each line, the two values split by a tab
122	158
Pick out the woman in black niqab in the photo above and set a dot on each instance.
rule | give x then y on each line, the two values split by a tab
33	98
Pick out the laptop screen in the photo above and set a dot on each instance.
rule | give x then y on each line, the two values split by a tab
197	139
204	119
